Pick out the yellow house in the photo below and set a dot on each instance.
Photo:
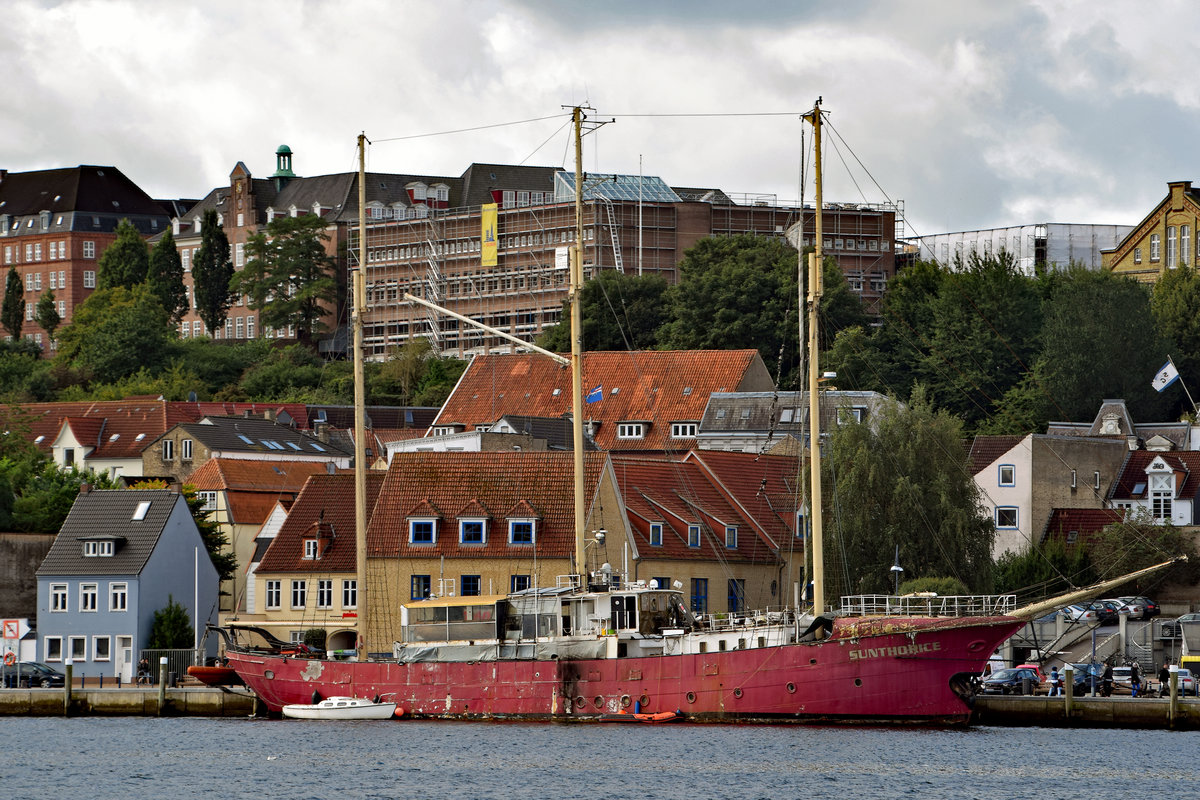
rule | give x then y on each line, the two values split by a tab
1165	239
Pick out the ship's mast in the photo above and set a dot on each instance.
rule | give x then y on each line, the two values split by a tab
573	295
815	264
358	308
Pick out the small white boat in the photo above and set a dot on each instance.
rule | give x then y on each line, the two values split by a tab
342	708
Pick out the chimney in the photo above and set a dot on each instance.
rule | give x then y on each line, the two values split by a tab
85	488
269	414
321	429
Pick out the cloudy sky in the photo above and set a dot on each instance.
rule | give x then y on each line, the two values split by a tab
972	113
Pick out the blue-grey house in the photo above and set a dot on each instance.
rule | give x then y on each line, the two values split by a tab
117	559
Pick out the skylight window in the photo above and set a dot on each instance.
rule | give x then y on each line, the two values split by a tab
293	445
139	437
139	513
39	440
114	437
245	438
317	447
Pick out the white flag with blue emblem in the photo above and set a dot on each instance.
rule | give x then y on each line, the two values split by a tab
1165	376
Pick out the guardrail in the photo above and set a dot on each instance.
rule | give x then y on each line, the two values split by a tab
983	605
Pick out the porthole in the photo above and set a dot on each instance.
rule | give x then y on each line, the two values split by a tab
691	697
791	687
737	692
858	681
645	701
269	674
580	702
598	701
625	701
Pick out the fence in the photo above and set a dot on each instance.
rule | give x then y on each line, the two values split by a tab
177	662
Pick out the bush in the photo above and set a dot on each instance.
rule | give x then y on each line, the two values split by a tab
939	586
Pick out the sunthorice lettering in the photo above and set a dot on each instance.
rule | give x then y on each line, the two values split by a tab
895	652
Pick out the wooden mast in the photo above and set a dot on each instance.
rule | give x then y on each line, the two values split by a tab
573	295
358	308
815	264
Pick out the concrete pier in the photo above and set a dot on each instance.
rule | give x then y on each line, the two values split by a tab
1087	712
142	701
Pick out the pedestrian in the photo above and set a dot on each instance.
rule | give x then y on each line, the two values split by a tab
1135	678
1055	683
1106	681
1164	680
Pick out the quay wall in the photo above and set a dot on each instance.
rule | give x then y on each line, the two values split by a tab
127	702
1086	712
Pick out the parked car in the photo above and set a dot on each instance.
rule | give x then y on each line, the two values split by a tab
1081	614
1106	611
1173	629
1187	683
1151	607
1131	606
1084	672
1012	681
32	674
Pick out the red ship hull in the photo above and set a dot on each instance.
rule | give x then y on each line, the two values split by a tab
870	669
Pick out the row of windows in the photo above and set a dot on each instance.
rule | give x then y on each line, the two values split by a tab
1007	476
867	245
33	252
77	648
656	535
185	450
472	531
89	596
299	595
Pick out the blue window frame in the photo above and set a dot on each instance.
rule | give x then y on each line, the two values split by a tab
422	587
470	585
1006	517
731	537
699	595
663	582
471	531
422	531
1007	475
737	595
518	583
693	535
520	531
656	534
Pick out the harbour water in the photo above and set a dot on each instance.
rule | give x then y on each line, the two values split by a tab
242	758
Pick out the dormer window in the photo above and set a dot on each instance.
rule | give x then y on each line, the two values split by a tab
693	535
656	534
521	531
422	531
683	430
98	549
472	531
731	537
311	550
850	414
631	430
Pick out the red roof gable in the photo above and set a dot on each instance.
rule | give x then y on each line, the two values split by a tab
1185	463
419	484
1084	522
659	387
328	500
240	474
986	449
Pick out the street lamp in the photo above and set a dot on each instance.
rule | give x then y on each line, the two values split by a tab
896	570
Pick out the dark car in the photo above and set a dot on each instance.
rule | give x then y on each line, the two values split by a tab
1012	681
1149	607
1106	611
1173	629
31	674
1084	673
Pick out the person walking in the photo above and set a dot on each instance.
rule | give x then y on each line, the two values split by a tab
1055	683
1106	681
1164	680
1135	678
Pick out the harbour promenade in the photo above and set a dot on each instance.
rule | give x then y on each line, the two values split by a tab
129	700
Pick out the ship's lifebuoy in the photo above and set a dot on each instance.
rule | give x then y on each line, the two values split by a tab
10	658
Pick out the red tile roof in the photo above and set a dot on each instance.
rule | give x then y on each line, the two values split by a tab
986	449
766	487
328	500
1086	522
439	484
241	474
679	493
659	387
1185	463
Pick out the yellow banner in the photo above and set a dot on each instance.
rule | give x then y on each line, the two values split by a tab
487	238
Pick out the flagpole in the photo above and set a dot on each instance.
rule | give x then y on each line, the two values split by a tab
1195	410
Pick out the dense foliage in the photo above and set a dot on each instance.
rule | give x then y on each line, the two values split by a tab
124	262
12	311
171	629
212	270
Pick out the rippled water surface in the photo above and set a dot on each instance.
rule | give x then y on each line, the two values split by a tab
192	757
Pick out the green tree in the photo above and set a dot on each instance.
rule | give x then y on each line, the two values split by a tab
285	374
46	314
212	270
620	312
165	278
124	262
288	277
1043	570
12	312
171	629
1099	341
907	472
43	501
116	332
736	292
1175	304
1138	542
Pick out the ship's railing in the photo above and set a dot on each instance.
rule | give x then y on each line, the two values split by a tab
975	605
749	619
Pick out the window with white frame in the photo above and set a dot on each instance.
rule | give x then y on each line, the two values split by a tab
53	647
1008	475
210	500
89	251
1172	248
847	415
168	450
88	595
1185	243
350	593
521	531
299	593
325	593
422	531
185	448
683	430
89	279
731	532
273	598
1162	494
631	430
77	647
693	535
58	597
1096	479
118	597
310	549
1155	246
101	648
656	529
472	531
98	548
1006	517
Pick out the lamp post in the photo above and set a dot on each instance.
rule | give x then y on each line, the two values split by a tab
896	570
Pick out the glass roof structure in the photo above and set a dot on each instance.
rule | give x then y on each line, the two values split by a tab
648	188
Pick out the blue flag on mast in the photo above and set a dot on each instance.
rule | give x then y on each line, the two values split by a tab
595	395
1167	375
